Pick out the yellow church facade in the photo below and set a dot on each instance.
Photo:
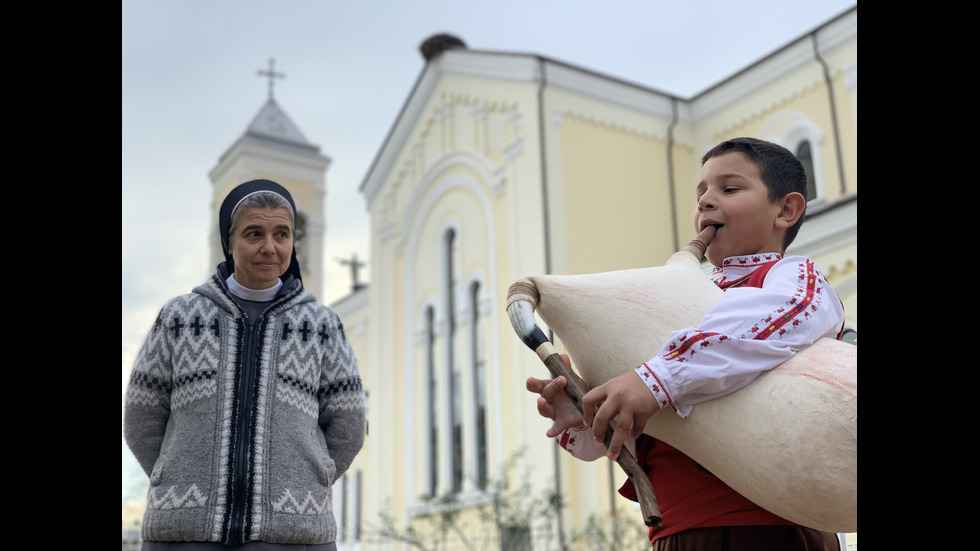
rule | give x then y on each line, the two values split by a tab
504	165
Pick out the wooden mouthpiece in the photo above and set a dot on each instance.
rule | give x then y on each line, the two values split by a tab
699	245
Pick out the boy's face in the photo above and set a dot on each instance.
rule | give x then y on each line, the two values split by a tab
732	196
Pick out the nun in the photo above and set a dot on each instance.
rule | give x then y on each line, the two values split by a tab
245	402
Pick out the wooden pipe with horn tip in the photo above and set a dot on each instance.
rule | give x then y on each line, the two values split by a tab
521	301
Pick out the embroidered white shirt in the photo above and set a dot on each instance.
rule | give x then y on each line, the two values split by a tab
749	331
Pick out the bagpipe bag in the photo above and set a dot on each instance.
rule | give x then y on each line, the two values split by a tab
787	441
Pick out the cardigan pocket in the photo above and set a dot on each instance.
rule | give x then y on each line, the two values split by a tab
157	473
306	491
325	466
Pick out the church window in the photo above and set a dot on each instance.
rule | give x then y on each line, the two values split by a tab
298	241
804	138
432	416
455	357
805	155
478	365
347	507
455	377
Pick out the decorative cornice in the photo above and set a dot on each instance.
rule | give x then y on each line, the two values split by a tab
492	175
609	90
609	125
453	104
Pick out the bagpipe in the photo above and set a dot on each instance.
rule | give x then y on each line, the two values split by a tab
787	441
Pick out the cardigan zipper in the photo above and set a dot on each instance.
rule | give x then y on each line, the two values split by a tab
241	470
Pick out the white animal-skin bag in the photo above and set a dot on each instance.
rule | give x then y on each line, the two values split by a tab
787	441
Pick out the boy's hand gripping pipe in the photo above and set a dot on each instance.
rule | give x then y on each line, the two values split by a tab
521	313
522	299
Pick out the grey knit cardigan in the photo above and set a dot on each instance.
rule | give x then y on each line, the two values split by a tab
243	427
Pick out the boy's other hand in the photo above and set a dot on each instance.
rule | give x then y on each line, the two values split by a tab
554	403
624	403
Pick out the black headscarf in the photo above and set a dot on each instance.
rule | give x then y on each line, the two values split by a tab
224	221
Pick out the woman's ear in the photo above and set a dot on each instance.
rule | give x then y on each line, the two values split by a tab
793	207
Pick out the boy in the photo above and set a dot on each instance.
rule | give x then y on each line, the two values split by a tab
754	193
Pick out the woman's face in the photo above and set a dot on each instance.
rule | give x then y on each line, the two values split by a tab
262	246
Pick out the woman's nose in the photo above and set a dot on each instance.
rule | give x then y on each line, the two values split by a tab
268	245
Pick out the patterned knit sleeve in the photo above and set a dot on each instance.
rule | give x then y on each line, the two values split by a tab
748	331
342	406
147	399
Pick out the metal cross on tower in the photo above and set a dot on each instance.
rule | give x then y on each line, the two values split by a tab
272	74
354	267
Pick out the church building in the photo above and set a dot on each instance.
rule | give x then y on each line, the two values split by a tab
502	165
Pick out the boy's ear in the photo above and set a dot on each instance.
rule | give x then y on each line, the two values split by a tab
793	206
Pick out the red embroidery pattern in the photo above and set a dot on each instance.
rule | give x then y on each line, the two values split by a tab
734	283
687	346
565	439
800	305
653	383
720	278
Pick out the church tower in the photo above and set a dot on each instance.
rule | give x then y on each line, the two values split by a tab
273	148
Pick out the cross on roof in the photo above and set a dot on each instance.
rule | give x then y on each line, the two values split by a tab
272	74
354	266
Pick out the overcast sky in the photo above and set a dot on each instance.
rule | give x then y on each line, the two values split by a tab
190	87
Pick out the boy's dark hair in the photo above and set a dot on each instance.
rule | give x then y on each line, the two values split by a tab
781	171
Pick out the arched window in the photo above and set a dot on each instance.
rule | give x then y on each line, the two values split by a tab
455	406
298	242
797	133
451	390
478	367
454	347
347	507
432	420
805	155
